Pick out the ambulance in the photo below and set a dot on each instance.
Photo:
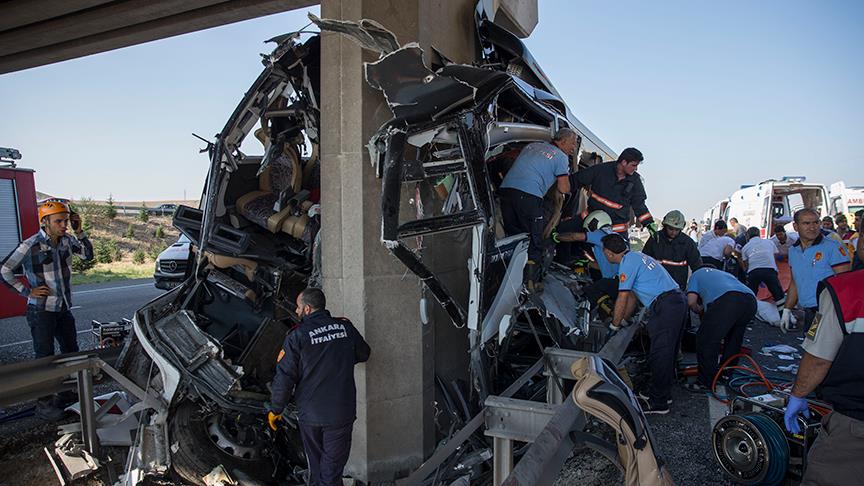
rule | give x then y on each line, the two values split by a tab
774	202
846	200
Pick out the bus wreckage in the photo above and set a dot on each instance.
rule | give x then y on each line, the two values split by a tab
205	351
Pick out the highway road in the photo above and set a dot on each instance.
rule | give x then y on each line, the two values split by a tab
104	302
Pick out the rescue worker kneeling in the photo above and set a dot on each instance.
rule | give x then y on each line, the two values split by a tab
643	276
726	306
316	366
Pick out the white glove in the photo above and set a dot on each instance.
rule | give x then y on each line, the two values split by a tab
786	321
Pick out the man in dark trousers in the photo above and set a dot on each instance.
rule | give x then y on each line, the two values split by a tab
45	259
673	249
727	306
758	258
833	366
316	367
539	166
643	278
616	188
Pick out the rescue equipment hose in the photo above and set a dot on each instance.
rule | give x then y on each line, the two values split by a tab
776	447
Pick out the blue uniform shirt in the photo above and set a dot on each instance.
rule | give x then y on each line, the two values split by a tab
536	169
711	284
607	268
645	276
816	263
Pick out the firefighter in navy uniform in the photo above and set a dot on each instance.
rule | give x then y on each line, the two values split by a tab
316	367
673	249
616	188
833	361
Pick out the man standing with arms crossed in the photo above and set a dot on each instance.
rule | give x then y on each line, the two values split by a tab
812	258
538	167
46	261
316	367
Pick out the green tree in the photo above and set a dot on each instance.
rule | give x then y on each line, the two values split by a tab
143	214
110	208
81	266
130	231
102	250
138	256
86	225
160	232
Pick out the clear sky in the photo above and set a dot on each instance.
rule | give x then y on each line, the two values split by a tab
715	94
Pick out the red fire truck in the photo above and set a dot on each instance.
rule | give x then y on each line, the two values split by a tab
18	220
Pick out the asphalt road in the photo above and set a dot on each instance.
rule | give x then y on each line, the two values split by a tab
103	302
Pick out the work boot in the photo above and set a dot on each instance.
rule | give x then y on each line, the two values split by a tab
47	411
532	279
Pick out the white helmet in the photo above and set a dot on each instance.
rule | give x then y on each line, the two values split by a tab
596	220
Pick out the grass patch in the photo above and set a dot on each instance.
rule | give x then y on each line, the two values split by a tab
109	272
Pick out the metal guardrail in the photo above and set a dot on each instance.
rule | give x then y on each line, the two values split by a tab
543	461
553	427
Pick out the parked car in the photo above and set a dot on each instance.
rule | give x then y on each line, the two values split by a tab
172	263
207	347
163	209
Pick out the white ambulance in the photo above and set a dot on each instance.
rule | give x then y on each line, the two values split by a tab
846	200
774	202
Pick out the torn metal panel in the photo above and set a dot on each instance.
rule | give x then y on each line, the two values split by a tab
368	33
442	295
413	92
498	318
199	355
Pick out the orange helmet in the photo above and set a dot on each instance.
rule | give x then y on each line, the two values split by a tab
52	207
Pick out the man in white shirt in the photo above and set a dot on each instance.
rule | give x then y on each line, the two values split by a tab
716	246
757	257
783	241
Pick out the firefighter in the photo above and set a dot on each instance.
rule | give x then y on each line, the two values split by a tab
833	365
602	292
316	368
727	306
813	258
539	166
652	285
673	249
616	188
45	259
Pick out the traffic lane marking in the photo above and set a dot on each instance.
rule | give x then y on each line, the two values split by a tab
80	292
19	343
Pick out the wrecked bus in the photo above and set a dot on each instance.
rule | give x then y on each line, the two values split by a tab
207	348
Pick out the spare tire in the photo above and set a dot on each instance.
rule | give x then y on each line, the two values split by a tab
201	440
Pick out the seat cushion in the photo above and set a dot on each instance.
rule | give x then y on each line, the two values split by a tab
257	206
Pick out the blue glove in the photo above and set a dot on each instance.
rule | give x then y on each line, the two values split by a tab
793	408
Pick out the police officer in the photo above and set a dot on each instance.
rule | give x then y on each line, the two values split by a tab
812	258
316	367
673	249
643	276
602	292
727	306
616	188
538	167
833	361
